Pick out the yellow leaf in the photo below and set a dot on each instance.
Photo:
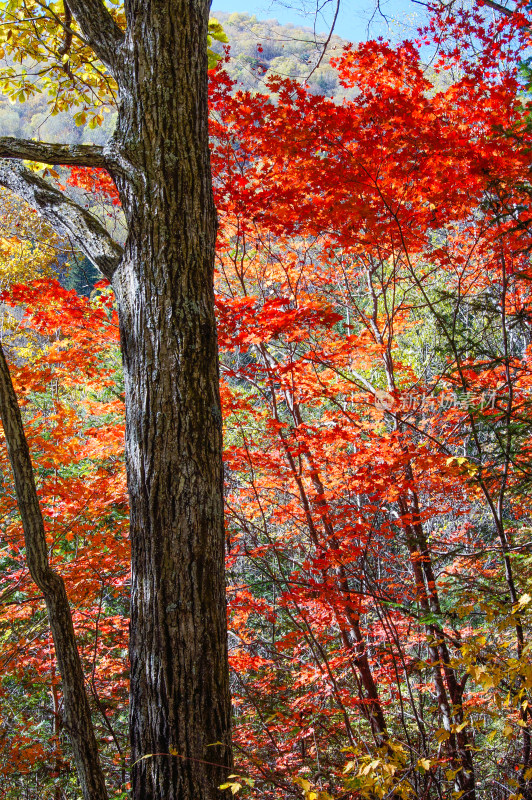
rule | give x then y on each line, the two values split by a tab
521	603
451	774
235	787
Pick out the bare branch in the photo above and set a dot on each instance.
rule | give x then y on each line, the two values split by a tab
326	42
101	31
85	230
73	155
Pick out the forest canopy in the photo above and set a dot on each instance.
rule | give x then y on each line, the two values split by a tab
373	292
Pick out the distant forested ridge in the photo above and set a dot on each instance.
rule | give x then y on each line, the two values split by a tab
261	48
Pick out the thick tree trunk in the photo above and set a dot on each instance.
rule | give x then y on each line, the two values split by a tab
163	279
180	711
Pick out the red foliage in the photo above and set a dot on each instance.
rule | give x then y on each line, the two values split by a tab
95	181
364	481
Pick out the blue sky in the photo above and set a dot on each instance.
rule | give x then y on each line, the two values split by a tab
353	20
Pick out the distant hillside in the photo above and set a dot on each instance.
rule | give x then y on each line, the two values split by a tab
286	50
32	120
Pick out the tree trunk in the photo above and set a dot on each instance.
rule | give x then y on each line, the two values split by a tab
180	710
163	280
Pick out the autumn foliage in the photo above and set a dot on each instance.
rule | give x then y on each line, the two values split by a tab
374	309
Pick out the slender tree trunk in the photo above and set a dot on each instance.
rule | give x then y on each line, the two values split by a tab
77	719
449	691
180	710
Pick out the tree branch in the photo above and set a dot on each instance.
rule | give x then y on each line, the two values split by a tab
499	7
73	155
85	230
77	709
98	26
67	44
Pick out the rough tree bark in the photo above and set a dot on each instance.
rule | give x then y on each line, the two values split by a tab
163	280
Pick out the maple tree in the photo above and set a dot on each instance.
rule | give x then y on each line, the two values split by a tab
73	413
402	209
